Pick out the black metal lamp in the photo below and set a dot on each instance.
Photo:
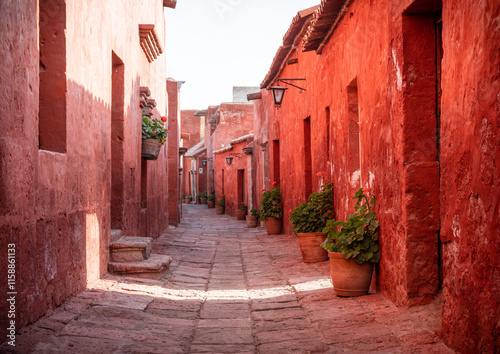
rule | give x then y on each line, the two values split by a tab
204	162
278	94
279	91
230	158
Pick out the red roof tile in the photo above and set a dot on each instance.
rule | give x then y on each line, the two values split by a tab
323	24
290	39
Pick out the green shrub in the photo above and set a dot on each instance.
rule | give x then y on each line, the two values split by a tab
270	204
357	237
312	215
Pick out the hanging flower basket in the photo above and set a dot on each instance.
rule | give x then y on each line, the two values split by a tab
150	149
154	135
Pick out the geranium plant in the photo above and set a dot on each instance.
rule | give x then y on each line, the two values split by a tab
243	207
203	195
152	128
254	212
357	237
211	196
222	201
270	204
313	215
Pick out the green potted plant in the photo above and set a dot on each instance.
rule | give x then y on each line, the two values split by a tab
154	135
309	219
252	218
353	247
241	212
188	199
211	199
271	209
219	207
203	197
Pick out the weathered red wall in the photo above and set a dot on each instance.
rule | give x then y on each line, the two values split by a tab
190	126
55	207
230	189
470	176
209	142
236	120
174	181
201	178
390	56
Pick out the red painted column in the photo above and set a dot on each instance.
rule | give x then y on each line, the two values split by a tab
174	202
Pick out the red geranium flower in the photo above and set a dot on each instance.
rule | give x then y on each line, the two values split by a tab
263	189
290	212
164	119
154	132
275	183
318	174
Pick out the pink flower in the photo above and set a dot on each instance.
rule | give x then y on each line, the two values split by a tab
154	132
164	119
318	174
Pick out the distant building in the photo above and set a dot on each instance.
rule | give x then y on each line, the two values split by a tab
240	93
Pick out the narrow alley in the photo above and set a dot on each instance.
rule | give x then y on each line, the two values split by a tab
230	289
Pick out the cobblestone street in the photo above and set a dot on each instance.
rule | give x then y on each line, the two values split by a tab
230	289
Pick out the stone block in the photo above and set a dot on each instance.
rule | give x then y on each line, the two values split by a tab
131	249
155	267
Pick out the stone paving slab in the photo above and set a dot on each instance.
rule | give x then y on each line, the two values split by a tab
230	289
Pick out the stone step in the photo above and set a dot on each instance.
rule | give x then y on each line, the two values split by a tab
130	249
153	268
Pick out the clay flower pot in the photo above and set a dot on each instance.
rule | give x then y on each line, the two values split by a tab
240	214
188	200
310	246
211	204
349	278
251	221
219	210
203	200
273	226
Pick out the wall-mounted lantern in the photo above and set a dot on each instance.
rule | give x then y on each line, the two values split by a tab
204	162
279	91
230	158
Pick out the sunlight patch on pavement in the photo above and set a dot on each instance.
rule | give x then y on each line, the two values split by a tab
314	285
229	294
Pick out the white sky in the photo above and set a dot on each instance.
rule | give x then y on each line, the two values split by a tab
214	45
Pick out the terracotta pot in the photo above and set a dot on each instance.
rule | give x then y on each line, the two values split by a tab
240	214
348	277
203	200
150	149
251	221
210	203
273	226
219	210
188	200
310	246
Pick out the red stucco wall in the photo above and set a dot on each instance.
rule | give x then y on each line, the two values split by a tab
439	220
209	142
470	176
174	181
190	127
231	189
55	207
236	120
